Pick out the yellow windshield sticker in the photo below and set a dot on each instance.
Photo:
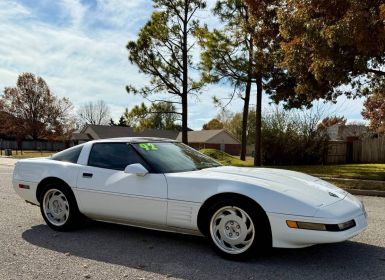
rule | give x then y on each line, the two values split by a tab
148	147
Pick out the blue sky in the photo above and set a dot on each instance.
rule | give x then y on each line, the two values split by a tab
78	47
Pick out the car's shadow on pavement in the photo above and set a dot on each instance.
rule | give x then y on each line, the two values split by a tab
190	257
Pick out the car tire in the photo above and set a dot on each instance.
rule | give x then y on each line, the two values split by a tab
59	208
238	229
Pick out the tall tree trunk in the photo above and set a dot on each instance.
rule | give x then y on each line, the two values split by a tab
246	104
184	119
245	120
258	124
185	77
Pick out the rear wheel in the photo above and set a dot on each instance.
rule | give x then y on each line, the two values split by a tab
59	208
238	229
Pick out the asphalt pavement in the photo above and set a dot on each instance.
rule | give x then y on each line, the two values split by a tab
31	250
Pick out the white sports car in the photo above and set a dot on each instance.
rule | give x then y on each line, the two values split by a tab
165	185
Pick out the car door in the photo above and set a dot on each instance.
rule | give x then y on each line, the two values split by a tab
106	192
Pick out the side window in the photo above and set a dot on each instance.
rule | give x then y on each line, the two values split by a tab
113	156
69	155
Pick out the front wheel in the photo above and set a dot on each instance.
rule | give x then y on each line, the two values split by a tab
238	229
59	208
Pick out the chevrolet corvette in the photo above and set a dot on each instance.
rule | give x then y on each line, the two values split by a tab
165	185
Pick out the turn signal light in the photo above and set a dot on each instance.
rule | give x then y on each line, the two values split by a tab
305	225
321	227
292	224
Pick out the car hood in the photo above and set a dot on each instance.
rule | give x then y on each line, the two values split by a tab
294	184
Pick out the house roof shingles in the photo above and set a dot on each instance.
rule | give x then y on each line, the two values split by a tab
81	136
203	136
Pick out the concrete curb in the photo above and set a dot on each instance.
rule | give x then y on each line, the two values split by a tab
350	179
366	192
359	191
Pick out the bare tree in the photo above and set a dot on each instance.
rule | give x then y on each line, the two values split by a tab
94	113
31	109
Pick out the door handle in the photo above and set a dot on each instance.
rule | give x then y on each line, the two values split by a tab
87	175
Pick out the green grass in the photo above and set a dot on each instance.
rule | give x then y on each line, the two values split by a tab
350	171
226	159
31	154
335	173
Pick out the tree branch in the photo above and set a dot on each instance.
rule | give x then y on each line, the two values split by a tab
377	72
161	100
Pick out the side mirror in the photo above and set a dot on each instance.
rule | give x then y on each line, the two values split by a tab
136	169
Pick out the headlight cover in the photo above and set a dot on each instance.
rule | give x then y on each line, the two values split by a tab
321	227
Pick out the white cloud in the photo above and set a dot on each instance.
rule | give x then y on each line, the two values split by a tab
75	10
75	61
120	14
12	10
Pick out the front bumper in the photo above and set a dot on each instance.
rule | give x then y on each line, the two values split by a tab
285	237
345	210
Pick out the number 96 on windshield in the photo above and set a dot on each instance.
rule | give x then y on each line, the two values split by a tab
148	147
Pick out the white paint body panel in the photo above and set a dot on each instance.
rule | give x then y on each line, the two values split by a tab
112	194
32	171
172	201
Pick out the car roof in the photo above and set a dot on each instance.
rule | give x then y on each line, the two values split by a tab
133	140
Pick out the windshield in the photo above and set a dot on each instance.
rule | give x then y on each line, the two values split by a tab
173	157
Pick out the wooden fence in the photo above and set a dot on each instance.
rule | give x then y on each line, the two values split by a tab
336	152
38	145
369	150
